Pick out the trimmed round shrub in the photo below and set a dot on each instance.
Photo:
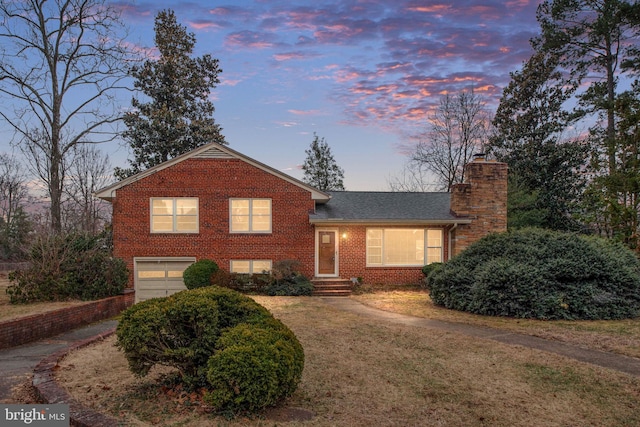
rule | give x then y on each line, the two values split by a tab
199	274
255	367
200	332
541	274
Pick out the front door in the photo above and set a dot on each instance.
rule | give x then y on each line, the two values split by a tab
327	253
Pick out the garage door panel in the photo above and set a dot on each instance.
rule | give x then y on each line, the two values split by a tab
159	278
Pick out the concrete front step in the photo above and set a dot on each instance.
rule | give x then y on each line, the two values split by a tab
331	287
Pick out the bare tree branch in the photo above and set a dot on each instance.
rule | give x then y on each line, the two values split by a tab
458	129
61	63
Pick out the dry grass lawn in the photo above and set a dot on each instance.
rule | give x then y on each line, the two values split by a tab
359	372
619	336
13	311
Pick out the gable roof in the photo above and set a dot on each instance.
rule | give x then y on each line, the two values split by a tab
386	207
211	151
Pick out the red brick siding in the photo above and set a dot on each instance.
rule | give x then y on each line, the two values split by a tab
353	258
38	326
214	182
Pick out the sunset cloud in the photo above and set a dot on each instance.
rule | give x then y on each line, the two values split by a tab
384	63
304	112
250	40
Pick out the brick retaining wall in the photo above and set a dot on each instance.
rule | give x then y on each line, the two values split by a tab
38	326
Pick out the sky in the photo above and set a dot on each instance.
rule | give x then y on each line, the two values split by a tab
362	74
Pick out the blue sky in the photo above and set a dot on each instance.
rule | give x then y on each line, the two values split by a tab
363	74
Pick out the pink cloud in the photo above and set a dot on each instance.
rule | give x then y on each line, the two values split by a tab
433	8
250	39
304	112
205	25
400	57
229	82
133	11
297	55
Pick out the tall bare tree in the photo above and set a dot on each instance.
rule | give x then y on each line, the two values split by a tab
458	129
14	195
61	63
414	177
89	171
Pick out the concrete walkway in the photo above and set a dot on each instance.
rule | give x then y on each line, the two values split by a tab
628	365
17	363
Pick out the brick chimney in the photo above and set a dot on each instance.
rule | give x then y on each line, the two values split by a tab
482	198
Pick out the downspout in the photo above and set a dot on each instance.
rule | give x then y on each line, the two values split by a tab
455	225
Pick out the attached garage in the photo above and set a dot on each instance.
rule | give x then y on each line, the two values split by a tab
159	277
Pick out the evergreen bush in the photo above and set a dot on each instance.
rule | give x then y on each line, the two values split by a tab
68	266
541	274
427	270
199	274
255	366
286	280
218	339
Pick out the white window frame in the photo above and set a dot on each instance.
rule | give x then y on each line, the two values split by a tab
382	246
250	216
251	267
174	215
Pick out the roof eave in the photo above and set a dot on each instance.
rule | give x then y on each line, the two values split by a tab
108	193
346	221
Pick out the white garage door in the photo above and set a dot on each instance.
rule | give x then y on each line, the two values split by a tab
159	277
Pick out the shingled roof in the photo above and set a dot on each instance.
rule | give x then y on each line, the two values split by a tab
385	207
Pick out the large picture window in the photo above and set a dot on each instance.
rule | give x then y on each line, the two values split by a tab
403	246
250	215
174	215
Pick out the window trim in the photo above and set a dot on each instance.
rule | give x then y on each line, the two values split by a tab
174	215
250	216
426	246
250	261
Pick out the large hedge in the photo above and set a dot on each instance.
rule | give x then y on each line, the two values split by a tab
218	339
534	273
68	266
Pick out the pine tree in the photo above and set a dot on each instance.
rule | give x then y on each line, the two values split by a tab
320	168
598	45
179	116
544	183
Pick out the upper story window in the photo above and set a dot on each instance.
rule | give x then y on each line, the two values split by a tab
404	246
174	215
250	215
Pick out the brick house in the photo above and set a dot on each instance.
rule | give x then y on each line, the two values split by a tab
219	204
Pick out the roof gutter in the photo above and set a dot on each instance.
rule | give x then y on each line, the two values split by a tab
332	221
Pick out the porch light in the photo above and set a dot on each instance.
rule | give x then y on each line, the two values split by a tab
344	235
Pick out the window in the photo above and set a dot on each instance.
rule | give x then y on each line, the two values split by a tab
250	215
403	246
434	245
250	266
174	215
